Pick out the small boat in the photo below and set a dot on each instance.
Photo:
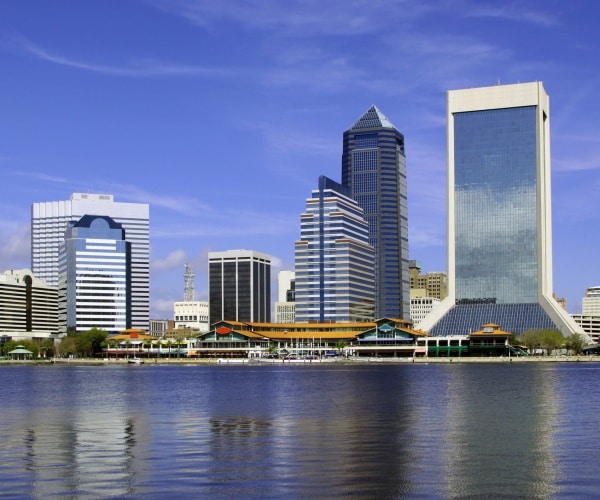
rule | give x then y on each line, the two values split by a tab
135	361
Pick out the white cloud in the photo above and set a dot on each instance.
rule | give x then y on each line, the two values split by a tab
142	67
15	247
177	258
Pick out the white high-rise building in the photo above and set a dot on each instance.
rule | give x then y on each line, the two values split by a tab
499	214
49	221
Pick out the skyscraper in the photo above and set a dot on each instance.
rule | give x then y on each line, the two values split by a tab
374	169
333	258
49	220
499	220
239	286
94	276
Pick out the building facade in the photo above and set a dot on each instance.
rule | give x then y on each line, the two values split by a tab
239	286
28	306
434	284
421	307
49	220
333	259
285	307
191	314
589	319
374	169
94	265
499	220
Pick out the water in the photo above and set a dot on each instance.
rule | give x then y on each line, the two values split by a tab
524	430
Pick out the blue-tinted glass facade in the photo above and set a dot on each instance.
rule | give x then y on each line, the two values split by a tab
95	276
374	169
495	206
333	260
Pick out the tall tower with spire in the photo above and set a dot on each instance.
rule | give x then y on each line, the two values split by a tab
374	169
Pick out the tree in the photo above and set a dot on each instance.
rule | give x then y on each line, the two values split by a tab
530	339
47	348
550	340
90	342
66	347
575	343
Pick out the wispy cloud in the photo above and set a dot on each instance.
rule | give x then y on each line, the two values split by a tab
298	17
514	11
142	67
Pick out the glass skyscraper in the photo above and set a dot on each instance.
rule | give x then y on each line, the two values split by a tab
499	224
239	286
374	169
94	266
49	220
333	259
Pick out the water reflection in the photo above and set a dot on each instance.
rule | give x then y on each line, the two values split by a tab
500	426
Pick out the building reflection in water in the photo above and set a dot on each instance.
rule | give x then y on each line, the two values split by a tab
499	435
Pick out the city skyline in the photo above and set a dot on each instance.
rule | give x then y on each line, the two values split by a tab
220	117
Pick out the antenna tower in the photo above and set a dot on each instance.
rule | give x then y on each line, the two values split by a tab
188	277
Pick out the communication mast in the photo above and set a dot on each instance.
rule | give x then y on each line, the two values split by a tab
188	277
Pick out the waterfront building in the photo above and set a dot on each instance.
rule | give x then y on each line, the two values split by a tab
94	276
308	342
333	258
374	169
28	307
49	220
239	286
499	213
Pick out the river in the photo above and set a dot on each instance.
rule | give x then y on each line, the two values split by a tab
525	430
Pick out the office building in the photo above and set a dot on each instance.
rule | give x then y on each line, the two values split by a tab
333	259
49	220
285	307
433	284
499	221
28	306
589	319
421	307
374	169
239	286
94	276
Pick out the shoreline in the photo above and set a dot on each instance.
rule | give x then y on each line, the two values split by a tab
264	362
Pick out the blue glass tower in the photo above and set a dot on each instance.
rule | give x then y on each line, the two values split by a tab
94	263
374	169
499	223
333	259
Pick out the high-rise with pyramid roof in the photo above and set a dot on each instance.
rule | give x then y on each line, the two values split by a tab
374	169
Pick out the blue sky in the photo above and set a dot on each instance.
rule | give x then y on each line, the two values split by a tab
222	115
